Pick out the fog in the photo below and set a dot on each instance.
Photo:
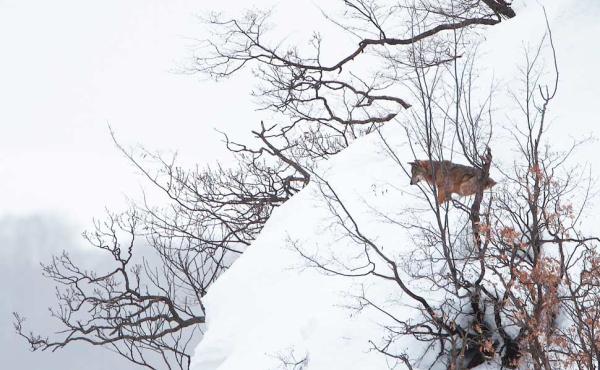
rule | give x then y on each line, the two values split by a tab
25	241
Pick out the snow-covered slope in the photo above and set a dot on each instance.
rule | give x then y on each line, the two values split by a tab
271	307
269	303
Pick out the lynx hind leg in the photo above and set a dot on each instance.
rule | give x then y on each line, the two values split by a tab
443	197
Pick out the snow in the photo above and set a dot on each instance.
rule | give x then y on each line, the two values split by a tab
271	305
269	302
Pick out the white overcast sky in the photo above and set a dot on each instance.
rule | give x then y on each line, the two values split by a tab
68	68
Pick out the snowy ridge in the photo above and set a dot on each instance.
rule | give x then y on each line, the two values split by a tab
279	303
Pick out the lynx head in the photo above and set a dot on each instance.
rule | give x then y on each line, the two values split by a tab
417	172
489	183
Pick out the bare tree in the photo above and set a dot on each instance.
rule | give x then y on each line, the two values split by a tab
147	314
329	104
509	265
149	307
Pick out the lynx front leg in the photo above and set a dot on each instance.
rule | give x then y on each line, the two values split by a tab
469	187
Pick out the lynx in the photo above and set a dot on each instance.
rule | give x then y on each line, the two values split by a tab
448	178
